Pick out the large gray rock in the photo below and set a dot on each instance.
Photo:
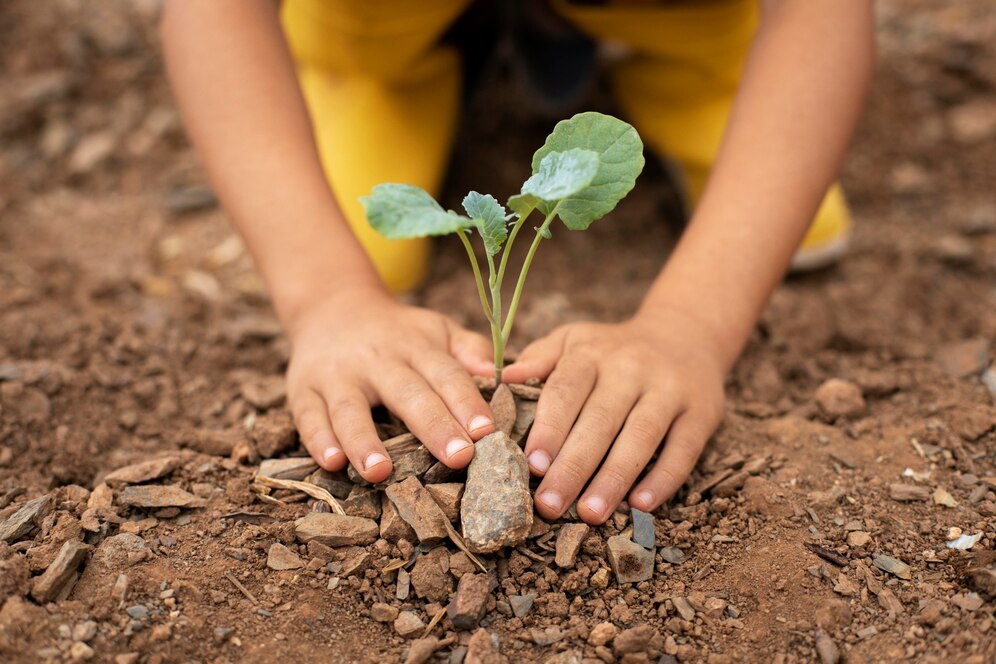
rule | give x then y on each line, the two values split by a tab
497	507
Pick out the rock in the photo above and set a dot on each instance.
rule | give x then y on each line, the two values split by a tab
858	538
973	121
602	634
408	624
634	640
644	532
264	392
565	657
684	608
908	492
833	615
963	358
967	601
630	562
392	527
169	495
844	586
335	529
403	585
840	398
294	468
943	498
84	631
145	471
422	650
409	463
81	652
826	648
117	552
460	564
497	506
438	473
893	566
503	408
521	604
57	581
355	560
448	497
92	151
274	433
383	612
466	608
364	502
101	497
430	576
280	557
600	579
525	415
483	649
335	483
19	524
416	506
672	554
569	540
216	442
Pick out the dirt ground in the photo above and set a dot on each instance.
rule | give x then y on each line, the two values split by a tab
131	323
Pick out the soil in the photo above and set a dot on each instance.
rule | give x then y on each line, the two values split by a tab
132	326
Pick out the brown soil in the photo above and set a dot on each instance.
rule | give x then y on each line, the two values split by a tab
130	316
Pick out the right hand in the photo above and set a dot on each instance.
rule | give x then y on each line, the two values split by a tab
361	349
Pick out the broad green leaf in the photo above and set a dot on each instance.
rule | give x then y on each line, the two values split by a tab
402	211
520	204
562	174
490	218
620	160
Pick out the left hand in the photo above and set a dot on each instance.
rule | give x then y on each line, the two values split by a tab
613	392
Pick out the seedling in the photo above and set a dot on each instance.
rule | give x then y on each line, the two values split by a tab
585	167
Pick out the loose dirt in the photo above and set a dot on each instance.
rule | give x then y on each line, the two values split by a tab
860	421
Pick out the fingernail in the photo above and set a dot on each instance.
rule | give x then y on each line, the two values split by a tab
479	422
374	459
645	498
329	454
551	500
539	461
596	504
455	446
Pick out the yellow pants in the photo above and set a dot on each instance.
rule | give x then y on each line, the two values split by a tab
384	95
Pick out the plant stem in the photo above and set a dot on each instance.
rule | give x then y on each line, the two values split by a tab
508	245
477	277
513	307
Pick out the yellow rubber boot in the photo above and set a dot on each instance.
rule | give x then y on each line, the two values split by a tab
384	101
677	85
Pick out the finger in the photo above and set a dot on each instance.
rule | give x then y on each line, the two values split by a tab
354	427
565	392
641	436
311	417
537	360
407	394
472	350
597	426
457	390
684	442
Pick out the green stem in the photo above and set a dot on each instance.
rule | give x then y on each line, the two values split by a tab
511	239
477	277
514	306
497	342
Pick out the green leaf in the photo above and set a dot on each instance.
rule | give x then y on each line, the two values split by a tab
490	218
620	160
562	174
522	204
402	211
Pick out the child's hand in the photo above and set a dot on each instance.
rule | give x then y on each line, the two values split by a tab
622	386
362	349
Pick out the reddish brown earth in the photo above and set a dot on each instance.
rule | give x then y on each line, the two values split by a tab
130	317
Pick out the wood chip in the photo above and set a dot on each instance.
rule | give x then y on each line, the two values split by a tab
827	555
304	487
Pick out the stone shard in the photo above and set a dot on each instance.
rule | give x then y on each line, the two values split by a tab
293	468
525	414
522	604
408	624
264	392
409	457
483	649
503	409
19	524
363	501
497	507
438	473
159	496
840	398
416	506
908	492
145	471
893	566
448	497
569	541
281	558
335	483
274	433
466	608
644	532
392	527
422	650
826	648
57	581
630	562
964	358
430	576
634	640
335	529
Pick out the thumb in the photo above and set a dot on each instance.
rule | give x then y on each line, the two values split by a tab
472	350
537	359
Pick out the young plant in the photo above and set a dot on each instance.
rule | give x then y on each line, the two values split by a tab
585	167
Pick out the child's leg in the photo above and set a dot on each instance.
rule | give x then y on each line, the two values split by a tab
384	98
677	87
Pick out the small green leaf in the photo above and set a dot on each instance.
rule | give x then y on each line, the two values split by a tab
544	232
521	204
562	174
620	160
490	218
402	211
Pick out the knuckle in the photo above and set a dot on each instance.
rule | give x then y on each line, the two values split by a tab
646	429
598	418
572	473
549	432
616	479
